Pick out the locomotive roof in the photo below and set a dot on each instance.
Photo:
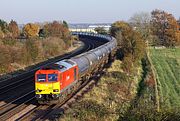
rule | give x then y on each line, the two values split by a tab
61	65
65	64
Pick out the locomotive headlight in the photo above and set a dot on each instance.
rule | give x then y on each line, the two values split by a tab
55	90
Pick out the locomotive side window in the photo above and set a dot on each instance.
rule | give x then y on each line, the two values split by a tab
41	77
75	74
52	77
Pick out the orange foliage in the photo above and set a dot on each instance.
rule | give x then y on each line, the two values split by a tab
56	29
166	27
31	30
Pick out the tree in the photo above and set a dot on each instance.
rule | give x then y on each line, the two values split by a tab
100	30
140	19
32	50
165	27
119	38
31	30
65	24
43	33
141	23
14	29
4	26
56	29
130	41
119	26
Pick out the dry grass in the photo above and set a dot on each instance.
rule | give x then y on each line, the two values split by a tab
111	96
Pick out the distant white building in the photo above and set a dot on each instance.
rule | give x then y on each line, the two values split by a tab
106	27
83	30
89	28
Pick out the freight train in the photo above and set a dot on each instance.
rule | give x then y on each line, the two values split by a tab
62	78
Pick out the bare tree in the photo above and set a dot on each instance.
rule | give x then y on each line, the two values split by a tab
141	23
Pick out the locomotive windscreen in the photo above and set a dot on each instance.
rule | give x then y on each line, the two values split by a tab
41	77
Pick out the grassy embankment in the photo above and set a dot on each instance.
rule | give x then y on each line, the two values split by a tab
117	97
108	100
167	68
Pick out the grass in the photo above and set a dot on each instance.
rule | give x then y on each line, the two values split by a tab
167	65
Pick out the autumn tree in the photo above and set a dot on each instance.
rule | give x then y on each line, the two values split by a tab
165	27
14	29
118	30
31	49
141	23
118	26
130	41
100	30
57	29
31	30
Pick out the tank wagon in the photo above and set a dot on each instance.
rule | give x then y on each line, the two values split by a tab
62	78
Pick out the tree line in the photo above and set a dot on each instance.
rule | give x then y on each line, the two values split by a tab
30	30
159	28
142	30
31	44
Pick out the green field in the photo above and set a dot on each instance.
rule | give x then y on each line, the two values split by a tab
167	66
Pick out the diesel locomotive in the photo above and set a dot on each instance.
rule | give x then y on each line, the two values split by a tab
55	82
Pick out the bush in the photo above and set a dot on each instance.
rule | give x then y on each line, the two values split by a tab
32	49
5	58
53	46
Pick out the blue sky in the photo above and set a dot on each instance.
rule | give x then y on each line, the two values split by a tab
81	11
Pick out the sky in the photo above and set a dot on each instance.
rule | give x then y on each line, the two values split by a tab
81	11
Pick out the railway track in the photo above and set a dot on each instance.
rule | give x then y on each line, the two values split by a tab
17	98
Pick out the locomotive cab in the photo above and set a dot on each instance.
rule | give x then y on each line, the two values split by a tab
47	84
51	82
